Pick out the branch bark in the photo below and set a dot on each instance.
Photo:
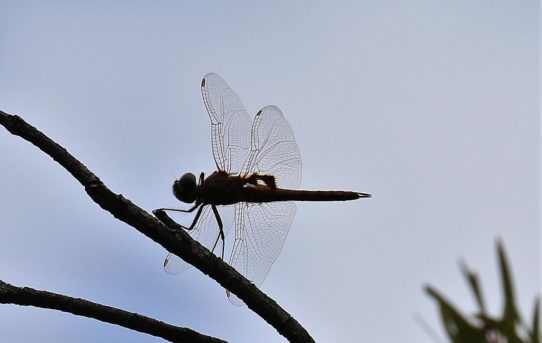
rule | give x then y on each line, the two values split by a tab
175	241
25	296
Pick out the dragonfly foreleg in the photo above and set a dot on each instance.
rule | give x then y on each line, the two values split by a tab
221	231
198	214
190	210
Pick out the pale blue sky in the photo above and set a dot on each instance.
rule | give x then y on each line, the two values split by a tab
432	107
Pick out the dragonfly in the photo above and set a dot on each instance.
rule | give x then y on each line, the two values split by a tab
253	189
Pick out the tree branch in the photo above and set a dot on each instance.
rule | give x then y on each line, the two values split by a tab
177	242
10	294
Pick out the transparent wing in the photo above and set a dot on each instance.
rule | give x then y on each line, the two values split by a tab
273	149
206	232
230	124
260	232
267	146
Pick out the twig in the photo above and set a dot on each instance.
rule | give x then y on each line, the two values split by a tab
175	241
10	294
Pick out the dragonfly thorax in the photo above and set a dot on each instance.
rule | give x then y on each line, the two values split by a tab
184	189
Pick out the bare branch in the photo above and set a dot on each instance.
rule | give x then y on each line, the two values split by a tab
175	241
10	294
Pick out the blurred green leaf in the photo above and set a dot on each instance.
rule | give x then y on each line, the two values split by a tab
510	314
472	278
535	332
458	328
482	328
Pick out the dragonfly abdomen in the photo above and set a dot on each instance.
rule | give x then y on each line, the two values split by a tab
265	194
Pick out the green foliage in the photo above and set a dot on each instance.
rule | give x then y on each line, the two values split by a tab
481	327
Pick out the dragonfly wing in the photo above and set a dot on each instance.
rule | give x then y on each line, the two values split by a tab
206	232
260	232
173	264
273	149
230	124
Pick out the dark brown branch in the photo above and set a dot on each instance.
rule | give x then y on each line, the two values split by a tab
175	241
10	294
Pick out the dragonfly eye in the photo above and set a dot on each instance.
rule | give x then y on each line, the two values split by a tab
184	189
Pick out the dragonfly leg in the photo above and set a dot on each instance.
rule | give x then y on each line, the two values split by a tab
190	210
198	214
221	233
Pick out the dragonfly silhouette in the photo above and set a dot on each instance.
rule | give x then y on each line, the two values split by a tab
259	167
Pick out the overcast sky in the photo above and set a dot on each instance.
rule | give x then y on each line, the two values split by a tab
432	107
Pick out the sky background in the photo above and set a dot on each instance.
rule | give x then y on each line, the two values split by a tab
433	107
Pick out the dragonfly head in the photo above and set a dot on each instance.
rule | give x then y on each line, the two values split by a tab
184	189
